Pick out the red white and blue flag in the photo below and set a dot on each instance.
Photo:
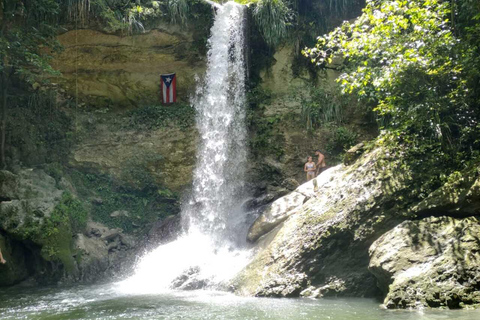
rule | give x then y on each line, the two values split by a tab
169	88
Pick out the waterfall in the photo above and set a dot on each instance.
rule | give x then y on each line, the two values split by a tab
220	106
214	226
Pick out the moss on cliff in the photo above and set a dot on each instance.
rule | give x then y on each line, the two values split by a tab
120	205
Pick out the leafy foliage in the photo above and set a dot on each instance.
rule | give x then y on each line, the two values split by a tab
341	140
405	59
145	201
178	10
27	37
130	15
324	105
272	17
56	232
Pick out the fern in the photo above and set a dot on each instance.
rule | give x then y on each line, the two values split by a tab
272	17
178	11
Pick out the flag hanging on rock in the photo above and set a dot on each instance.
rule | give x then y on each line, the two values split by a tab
169	88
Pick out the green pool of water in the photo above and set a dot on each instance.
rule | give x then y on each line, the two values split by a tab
105	302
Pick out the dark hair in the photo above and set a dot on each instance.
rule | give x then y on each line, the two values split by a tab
318	150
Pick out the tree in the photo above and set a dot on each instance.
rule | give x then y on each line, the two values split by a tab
416	68
27	38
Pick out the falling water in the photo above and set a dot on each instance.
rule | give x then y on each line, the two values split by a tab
220	103
207	253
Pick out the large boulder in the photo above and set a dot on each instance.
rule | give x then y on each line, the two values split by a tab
321	249
276	213
102	251
28	197
434	262
36	245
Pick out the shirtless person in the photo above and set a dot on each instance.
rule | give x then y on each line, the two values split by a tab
320	163
2	261
309	168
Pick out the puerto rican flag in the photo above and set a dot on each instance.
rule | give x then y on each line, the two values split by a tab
169	88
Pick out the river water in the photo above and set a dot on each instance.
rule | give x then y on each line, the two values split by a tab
105	302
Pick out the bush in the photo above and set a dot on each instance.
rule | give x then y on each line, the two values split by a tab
272	18
341	140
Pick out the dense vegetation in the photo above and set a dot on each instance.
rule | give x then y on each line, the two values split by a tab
416	64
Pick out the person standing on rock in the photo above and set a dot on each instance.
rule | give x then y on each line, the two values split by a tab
321	166
2	261
309	168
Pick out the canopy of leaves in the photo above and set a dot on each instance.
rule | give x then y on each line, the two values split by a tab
419	71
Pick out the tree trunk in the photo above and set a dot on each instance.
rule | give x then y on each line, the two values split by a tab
3	123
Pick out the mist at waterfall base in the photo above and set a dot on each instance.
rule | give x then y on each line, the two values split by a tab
209	252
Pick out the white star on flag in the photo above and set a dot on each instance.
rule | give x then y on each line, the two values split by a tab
168	80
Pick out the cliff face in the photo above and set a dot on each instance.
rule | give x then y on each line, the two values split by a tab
108	70
104	143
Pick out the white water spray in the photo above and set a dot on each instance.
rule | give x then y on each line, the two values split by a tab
206	254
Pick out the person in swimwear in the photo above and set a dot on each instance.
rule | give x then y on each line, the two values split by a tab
310	169
321	166
2	261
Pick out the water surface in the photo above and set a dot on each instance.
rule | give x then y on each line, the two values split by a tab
105	302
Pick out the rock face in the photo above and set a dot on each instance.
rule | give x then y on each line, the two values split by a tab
321	249
434	262
125	70
166	153
27	198
36	245
276	213
103	252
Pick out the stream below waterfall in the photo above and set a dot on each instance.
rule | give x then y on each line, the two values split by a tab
105	302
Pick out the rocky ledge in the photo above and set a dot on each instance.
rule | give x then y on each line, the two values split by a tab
46	235
351	231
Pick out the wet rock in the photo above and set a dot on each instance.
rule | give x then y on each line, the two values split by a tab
102	251
275	214
190	280
32	195
164	231
434	262
322	236
353	153
333	287
290	184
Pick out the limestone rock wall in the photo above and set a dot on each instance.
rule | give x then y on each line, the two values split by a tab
166	153
108	70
